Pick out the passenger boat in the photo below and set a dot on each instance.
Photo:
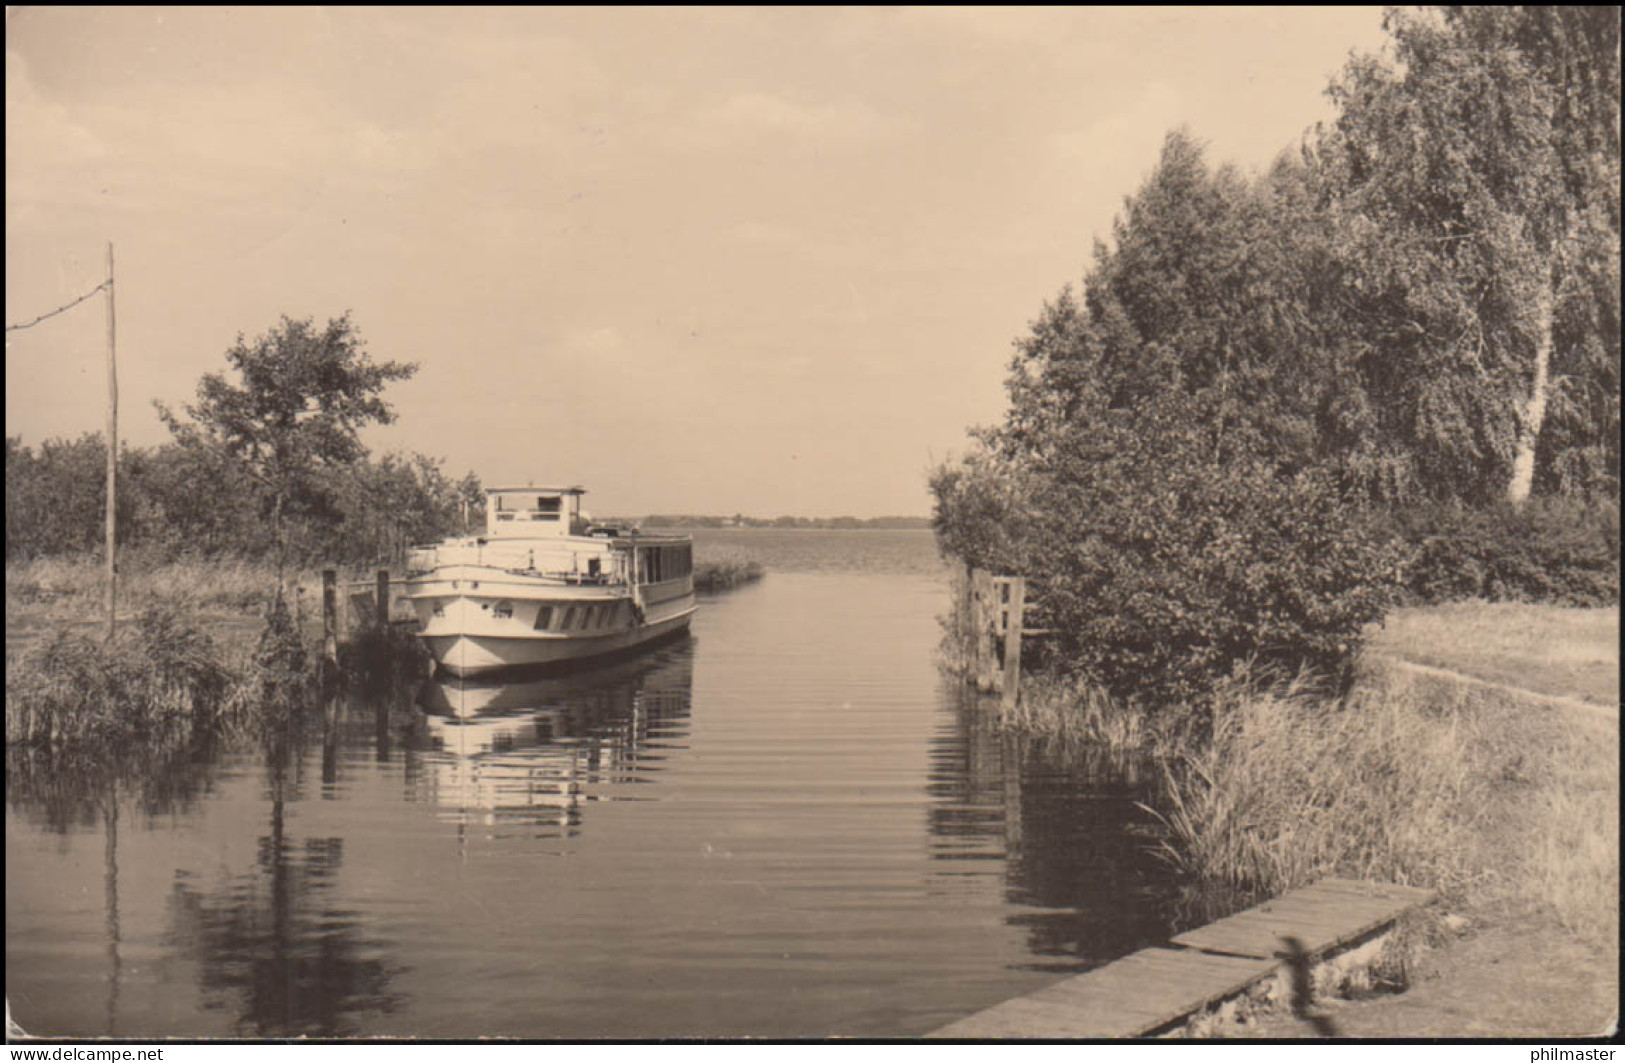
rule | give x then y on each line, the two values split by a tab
544	586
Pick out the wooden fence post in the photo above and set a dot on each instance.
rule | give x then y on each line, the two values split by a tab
381	600
968	628
967	625
982	611
1014	617
993	610
330	616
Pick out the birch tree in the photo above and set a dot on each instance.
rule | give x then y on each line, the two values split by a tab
1478	179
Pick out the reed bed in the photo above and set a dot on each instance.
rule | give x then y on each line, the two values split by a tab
1484	796
1076	713
726	573
1499	801
68	588
162	681
158	677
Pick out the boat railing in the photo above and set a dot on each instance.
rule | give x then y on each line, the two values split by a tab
590	568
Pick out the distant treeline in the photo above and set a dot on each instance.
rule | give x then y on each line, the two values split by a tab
175	500
666	520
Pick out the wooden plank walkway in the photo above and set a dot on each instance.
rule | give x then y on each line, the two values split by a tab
1157	987
1126	998
1331	913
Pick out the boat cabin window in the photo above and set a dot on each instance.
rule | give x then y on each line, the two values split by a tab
667	562
544	617
517	506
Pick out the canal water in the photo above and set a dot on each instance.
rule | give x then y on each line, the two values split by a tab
789	824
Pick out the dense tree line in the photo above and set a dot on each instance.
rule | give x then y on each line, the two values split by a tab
175	502
267	463
1217	450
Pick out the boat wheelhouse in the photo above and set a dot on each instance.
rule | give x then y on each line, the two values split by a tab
545	586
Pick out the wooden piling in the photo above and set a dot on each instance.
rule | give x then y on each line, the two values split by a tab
984	619
967	624
381	599
1014	614
330	616
992	611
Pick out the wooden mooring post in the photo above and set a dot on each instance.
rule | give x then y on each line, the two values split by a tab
993	610
380	600
1012	615
330	616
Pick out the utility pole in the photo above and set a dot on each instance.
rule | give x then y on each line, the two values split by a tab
112	457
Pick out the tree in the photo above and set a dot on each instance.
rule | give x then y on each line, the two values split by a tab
395	502
1476	182
56	500
295	411
1217	285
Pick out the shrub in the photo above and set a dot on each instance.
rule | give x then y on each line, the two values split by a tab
1553	550
280	663
980	512
1165	579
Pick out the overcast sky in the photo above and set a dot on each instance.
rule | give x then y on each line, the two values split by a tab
707	261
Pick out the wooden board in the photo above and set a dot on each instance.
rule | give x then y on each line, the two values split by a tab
1127	998
1156	987
1330	913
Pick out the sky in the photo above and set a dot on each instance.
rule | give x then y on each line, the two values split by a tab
754	260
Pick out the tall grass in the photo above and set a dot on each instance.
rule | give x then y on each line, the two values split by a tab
158	677
72	587
161	680
1483	796
1075	712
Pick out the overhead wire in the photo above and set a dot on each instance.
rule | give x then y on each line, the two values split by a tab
60	309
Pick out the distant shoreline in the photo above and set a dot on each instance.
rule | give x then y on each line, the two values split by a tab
781	523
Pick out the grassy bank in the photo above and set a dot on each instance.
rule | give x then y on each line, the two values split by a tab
1497	802
1545	648
197	649
71	590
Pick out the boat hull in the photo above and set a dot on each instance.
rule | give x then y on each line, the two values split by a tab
485	605
465	654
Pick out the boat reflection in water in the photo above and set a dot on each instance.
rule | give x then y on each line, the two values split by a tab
531	753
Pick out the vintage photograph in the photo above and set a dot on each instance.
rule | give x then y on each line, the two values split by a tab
832	524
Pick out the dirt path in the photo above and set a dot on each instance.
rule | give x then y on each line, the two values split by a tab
1526	981
1609	711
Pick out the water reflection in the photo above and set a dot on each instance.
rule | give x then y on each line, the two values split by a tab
159	778
115	965
1062	827
276	945
532	753
793	878
84	789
